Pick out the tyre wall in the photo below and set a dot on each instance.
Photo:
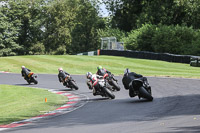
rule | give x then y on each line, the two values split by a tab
148	55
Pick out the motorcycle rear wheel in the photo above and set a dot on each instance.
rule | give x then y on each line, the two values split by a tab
144	93
74	85
28	82
108	93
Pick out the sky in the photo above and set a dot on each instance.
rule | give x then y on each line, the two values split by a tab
104	10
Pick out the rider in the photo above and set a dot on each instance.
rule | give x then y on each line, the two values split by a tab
25	71
101	71
62	75
128	78
92	82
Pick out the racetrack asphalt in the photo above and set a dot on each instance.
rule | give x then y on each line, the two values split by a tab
175	108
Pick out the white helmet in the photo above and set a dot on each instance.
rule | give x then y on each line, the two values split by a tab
126	71
88	74
60	69
23	67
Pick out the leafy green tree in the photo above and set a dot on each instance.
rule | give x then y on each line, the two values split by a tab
124	13
84	35
188	12
128	15
26	16
8	34
157	12
60	18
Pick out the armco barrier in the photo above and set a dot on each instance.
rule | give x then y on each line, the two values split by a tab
148	55
91	53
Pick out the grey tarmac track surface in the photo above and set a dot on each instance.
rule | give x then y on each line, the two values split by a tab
175	109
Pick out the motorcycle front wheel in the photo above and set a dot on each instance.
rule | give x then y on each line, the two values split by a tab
35	81
115	85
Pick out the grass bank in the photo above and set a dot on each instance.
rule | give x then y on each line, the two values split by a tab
81	64
18	103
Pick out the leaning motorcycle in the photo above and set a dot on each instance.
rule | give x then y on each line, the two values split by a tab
141	89
70	82
112	81
103	90
31	78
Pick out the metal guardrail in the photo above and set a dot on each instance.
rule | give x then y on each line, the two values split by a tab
91	53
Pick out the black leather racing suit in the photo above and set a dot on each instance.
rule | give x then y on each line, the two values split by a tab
61	76
128	78
103	71
25	72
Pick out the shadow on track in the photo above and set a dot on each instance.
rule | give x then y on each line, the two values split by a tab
125	110
66	89
191	129
23	84
99	99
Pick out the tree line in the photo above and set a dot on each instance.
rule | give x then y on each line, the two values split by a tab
74	26
48	26
165	26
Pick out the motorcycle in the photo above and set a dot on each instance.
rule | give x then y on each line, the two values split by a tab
141	89
31	78
103	90
70	82
112	81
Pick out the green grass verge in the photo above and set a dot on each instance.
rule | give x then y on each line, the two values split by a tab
18	103
81	64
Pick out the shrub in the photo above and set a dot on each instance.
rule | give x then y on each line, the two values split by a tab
60	50
37	49
164	39
140	39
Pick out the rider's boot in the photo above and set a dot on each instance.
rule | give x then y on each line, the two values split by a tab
64	84
132	93
94	92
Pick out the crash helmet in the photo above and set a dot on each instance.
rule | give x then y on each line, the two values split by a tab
60	69
99	67
126	71
88	75
23	67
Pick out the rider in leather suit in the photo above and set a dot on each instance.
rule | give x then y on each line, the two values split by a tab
101	71
25	71
128	78
92	82
62	75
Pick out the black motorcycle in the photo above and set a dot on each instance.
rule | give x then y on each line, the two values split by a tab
112	81
103	89
70	82
141	89
31	78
